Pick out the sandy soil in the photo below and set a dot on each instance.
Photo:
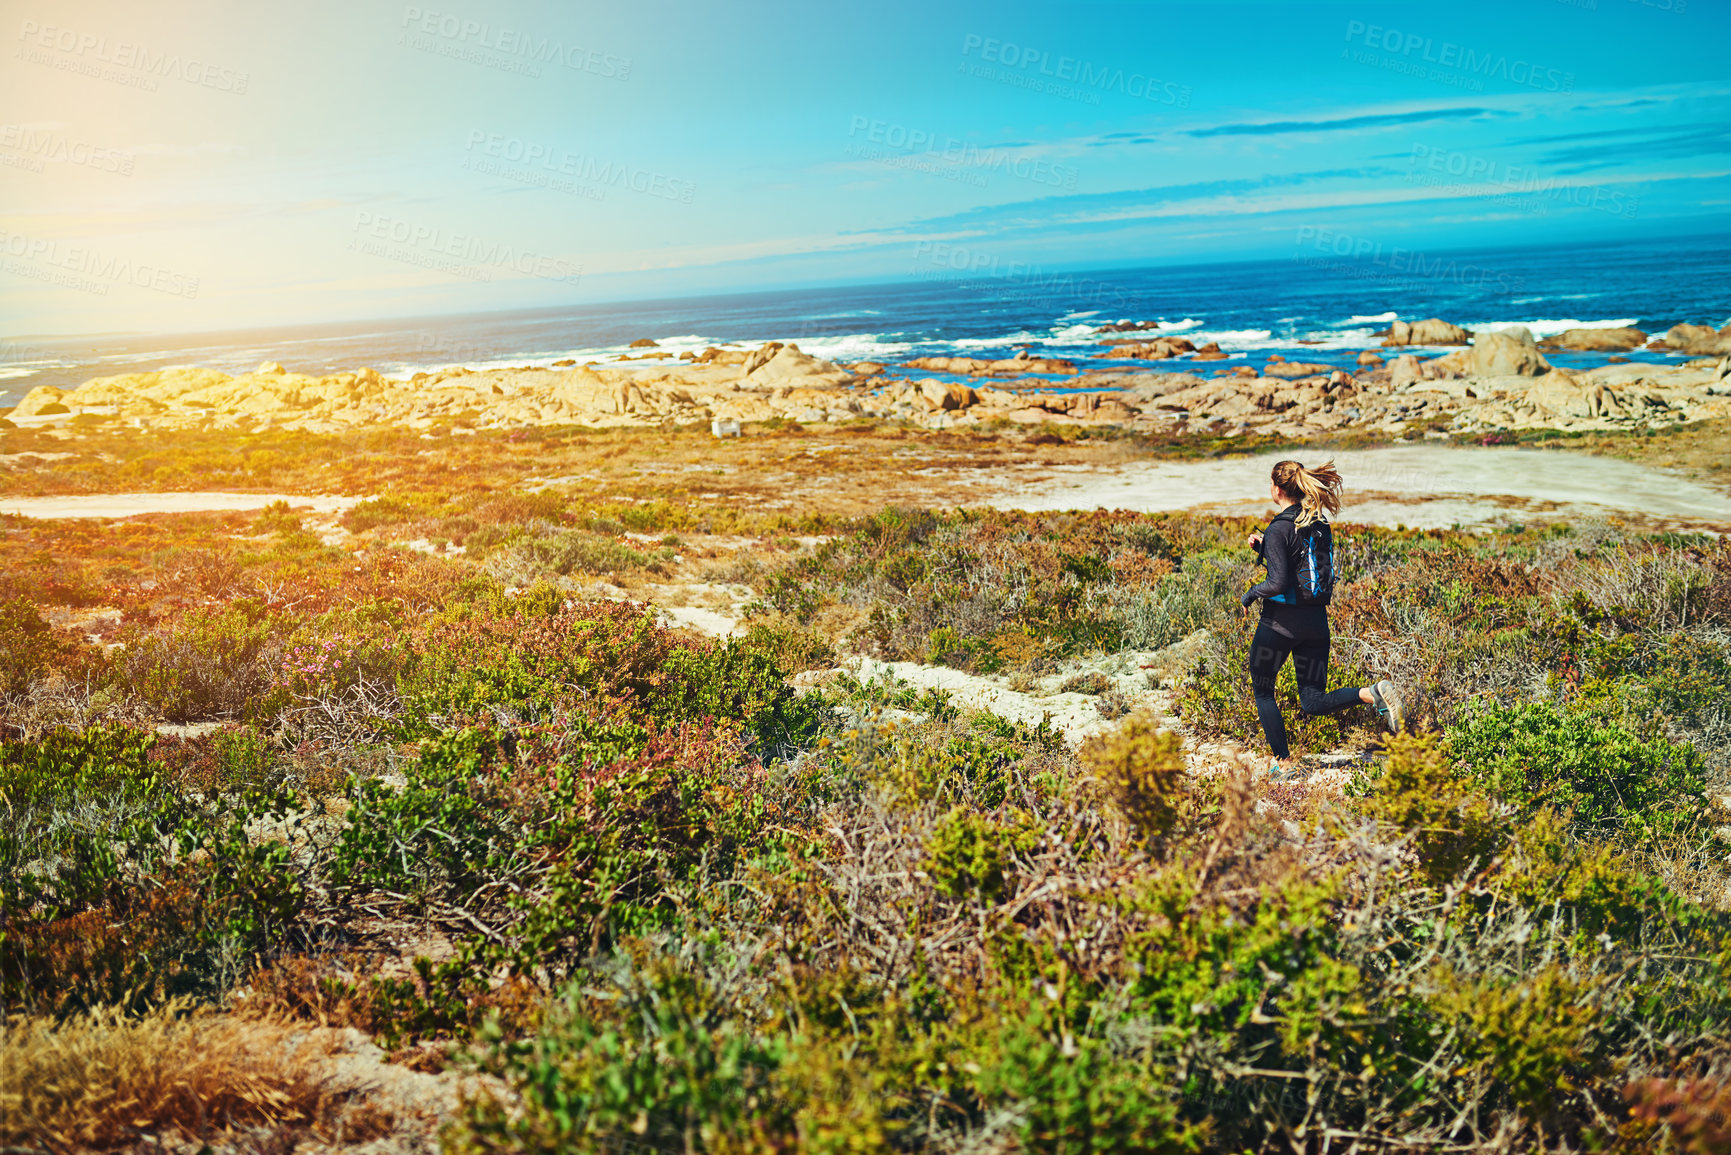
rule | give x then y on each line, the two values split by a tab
1421	486
132	504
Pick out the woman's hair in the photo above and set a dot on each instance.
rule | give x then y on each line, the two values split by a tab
1317	491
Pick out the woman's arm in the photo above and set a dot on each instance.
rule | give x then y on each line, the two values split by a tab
1277	555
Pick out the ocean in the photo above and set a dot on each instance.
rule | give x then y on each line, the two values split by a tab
1324	305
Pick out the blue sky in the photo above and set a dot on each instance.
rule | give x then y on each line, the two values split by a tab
181	167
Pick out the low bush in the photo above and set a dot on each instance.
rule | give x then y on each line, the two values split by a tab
29	646
212	664
1608	777
131	879
599	656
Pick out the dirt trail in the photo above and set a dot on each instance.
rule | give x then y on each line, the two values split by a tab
1423	486
132	504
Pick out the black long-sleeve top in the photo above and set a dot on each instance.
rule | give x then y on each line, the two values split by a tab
1279	544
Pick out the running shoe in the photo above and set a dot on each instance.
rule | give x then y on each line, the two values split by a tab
1388	705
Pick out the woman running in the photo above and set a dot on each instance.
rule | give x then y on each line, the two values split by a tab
1298	549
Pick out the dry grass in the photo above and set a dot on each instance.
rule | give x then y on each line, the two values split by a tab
103	1082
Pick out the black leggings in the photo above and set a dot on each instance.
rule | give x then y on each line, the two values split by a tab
1303	633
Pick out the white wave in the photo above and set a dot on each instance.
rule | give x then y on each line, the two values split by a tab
9	373
856	347
1080	315
1178	326
1546	327
1020	338
1229	338
1364	318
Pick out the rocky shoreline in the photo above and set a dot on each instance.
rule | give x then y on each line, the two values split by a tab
1491	381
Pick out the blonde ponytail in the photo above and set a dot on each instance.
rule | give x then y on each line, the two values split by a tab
1315	491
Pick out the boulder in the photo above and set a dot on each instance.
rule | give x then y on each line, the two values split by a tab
1371	359
1128	326
1006	367
866	368
1431	331
1295	368
1158	349
1699	340
42	401
1022	363
1596	340
1403	371
642	343
759	356
1560	393
269	367
1507	353
947	395
788	366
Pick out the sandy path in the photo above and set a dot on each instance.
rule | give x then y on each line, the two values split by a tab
132	504
1420	486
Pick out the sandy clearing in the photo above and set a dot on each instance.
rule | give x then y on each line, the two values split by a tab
113	505
1076	716
1421	486
705	621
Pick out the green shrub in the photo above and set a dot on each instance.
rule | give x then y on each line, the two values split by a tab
1541	755
607	654
1143	770
970	854
214	663
552	841
388	509
1454	826
524	556
1074	1091
28	645
668	1065
126	879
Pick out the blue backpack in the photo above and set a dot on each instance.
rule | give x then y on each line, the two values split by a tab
1312	563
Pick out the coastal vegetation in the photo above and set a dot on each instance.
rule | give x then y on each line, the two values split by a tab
285	796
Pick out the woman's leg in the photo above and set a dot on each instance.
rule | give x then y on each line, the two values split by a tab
1310	664
1267	651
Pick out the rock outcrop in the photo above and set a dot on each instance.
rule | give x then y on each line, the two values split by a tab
1006	367
1499	382
1159	349
1296	369
1596	340
1431	331
1698	340
1506	353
